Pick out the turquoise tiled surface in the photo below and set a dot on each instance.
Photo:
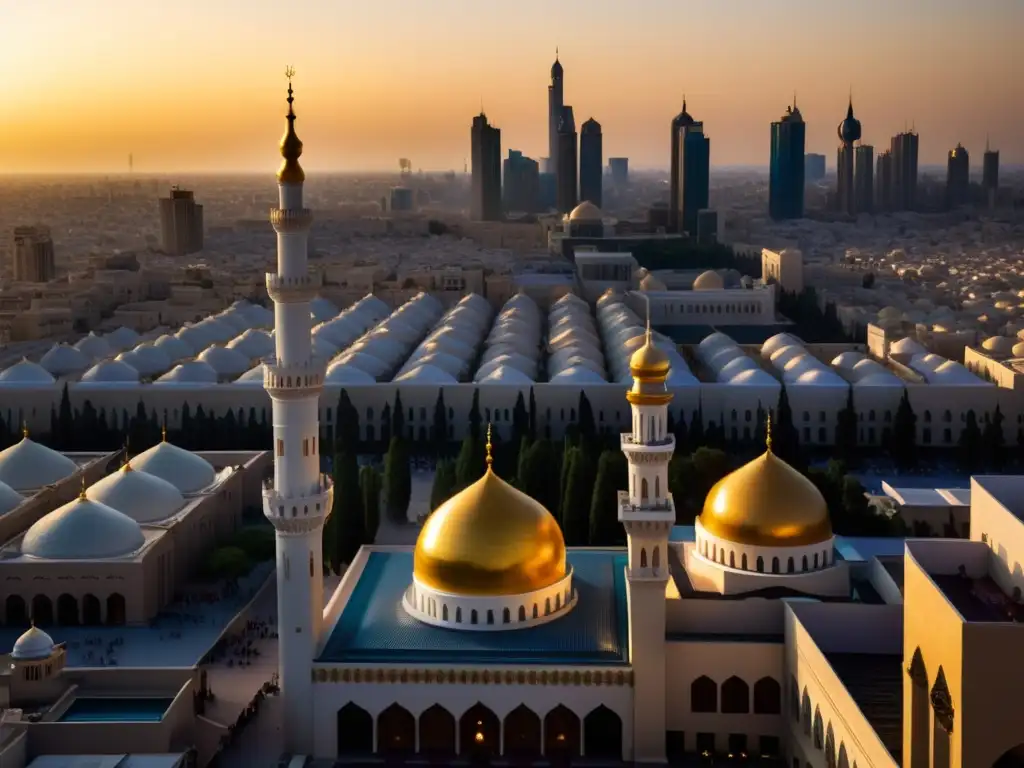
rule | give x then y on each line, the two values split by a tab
374	627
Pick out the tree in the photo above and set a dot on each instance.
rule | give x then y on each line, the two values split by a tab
65	422
521	464
612	477
398	418
538	481
993	443
520	425
682	434
471	464
587	426
903	439
970	443
579	491
370	484
397	481
785	438
846	429
227	563
444	484
440	427
346	420
350	525
533	416
475	419
697	429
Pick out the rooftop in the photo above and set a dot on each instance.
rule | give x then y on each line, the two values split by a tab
875	681
928	497
979	599
894	567
374	628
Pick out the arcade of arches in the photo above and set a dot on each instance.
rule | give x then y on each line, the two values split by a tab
67	610
480	734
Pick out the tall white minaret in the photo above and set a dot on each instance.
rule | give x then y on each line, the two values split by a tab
648	514
300	498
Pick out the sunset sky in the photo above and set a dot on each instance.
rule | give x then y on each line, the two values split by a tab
198	85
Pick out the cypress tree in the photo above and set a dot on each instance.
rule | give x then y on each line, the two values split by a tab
520	426
398	417
475	420
370	486
397	481
785	438
471	463
579	490
65	422
696	436
846	429
521	464
440	427
533	416
612	477
587	426
970	443
350	530
538	481
904	434
992	440
443	487
346	420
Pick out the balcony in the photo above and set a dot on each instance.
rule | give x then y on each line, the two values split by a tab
293	289
650	511
285	220
301	513
295	380
628	439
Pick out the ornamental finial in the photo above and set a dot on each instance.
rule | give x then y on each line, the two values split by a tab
490	458
768	431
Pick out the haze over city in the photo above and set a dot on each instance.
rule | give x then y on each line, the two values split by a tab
198	89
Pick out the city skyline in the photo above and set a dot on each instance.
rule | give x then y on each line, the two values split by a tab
375	85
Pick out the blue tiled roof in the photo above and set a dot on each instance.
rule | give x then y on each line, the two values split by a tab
374	627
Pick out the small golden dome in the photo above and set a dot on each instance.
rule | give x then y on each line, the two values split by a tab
490	539
649	362
290	171
767	503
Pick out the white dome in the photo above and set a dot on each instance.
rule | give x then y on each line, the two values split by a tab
1018	349
9	498
122	338
447	343
253	344
228	363
235	319
149	359
846	360
735	366
26	374
906	346
182	469
322	309
110	372
174	348
191	372
143	497
195	338
63	359
27	465
880	379
94	347
342	373
576	375
753	378
83	530
819	377
33	645
777	342
426	374
216	330
253	377
998	345
484	371
504	374
708	281
450	364
715	340
723	357
364	362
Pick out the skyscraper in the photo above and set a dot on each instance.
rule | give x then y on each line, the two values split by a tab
181	223
618	169
681	120
694	174
904	171
299	499
521	190
485	204
864	178
883	181
786	166
566	180
958	177
591	162
32	259
849	134
990	169
814	167
556	100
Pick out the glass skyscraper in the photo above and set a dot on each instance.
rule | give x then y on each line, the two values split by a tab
591	162
786	174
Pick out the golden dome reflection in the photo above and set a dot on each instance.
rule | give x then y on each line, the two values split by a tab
490	539
767	503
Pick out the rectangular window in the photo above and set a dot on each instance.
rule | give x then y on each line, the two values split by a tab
280	447
314	446
305	446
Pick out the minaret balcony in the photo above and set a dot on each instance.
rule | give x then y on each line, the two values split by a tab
652	510
647	451
287	220
292	381
293	289
302	513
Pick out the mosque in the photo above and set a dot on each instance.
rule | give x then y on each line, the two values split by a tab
757	632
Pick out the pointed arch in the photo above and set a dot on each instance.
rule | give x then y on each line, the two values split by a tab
437	733
844	759
396	731
735	696
805	713
830	747
819	729
15	611
703	695
602	734
943	716
355	730
561	734
767	697
42	611
522	733
479	733
920	712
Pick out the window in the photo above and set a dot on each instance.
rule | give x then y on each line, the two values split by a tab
769	747
305	446
280	447
735	696
738	744
705	743
767	697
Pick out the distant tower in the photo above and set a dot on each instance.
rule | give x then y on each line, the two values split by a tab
181	223
883	181
990	172
849	134
786	166
131	163
566	178
298	502
864	178
680	121
904	148
648	513
485	139
958	177
556	101
32	255
694	160
591	163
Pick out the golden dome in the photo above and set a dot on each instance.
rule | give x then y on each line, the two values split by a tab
649	362
767	503
490	539
290	171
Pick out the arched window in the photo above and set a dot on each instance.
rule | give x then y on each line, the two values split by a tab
819	730
657	487
643	489
805	713
656	558
767	697
472	616
643	557
735	696
775	565
522	613
791	566
732	559
703	695
804	563
444	613
743	562
760	564
506	616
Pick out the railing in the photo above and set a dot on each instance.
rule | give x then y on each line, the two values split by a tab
285	219
280	287
629	439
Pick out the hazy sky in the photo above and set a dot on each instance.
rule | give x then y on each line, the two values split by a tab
197	85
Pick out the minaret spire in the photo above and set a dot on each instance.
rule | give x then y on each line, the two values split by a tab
768	431
490	458
290	171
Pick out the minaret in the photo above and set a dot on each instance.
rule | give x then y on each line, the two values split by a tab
648	513
298	501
